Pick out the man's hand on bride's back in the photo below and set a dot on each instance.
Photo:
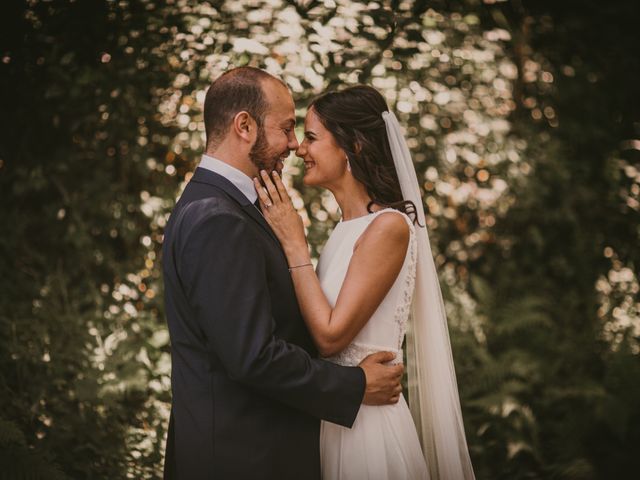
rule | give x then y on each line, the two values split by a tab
383	381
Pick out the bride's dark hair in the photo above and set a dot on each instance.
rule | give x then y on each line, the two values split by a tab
354	118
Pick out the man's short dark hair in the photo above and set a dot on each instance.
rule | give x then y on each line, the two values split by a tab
234	91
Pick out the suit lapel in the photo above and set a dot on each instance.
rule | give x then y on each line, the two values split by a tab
203	175
254	213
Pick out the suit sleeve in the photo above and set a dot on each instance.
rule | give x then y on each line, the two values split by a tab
226	282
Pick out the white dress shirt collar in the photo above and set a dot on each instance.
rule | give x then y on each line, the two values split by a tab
241	180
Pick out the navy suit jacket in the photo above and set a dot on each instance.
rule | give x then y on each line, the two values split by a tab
248	394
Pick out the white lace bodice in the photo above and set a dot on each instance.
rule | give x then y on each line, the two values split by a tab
386	328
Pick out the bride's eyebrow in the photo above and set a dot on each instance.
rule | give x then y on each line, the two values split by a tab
310	134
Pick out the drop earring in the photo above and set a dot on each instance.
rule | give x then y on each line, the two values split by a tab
348	165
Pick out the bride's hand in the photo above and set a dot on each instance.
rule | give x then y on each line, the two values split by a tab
283	219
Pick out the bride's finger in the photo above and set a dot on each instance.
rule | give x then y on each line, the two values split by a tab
273	192
262	193
282	190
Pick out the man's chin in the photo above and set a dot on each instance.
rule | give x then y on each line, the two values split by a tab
278	166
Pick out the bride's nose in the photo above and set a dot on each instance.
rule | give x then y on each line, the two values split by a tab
301	151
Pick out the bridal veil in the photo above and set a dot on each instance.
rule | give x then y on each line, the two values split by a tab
433	390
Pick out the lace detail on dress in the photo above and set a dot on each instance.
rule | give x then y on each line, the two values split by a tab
356	352
403	309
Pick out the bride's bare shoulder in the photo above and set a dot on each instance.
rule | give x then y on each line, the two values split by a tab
390	227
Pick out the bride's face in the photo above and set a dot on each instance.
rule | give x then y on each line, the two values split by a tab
325	162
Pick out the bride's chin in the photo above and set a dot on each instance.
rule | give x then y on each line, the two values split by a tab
307	180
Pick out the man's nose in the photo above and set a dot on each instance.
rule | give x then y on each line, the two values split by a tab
293	143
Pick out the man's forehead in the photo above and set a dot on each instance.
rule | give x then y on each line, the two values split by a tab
278	95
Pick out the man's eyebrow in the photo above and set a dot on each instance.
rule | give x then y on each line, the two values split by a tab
290	122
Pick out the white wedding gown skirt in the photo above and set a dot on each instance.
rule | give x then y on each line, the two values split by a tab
383	443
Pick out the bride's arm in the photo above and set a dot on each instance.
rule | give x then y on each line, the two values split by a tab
376	262
374	267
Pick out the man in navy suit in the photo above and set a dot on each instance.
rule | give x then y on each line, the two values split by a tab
248	392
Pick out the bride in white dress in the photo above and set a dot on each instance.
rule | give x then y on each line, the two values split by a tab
361	298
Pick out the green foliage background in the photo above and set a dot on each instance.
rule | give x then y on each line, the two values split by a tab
524	121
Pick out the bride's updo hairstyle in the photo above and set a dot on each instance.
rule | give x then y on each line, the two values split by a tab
354	117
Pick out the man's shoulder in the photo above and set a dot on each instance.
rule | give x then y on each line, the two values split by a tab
210	208
201	204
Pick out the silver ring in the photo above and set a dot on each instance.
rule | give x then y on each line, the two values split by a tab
268	205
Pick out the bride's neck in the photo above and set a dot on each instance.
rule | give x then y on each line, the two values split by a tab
352	198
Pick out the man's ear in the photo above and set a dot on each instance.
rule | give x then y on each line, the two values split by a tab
245	126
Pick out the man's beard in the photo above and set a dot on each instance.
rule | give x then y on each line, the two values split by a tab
261	155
